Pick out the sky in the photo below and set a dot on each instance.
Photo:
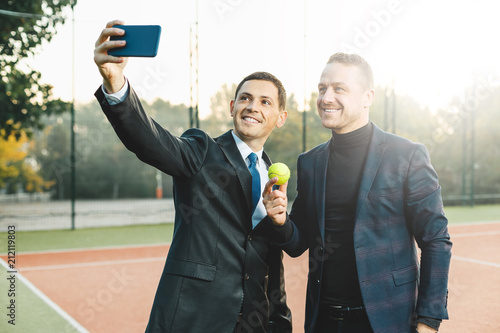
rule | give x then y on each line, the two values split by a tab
430	50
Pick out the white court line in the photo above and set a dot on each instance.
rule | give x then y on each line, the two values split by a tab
47	300
474	234
475	261
92	264
468	224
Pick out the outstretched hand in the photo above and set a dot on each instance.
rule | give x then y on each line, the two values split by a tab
276	201
110	67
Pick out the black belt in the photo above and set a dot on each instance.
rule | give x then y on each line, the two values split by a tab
338	312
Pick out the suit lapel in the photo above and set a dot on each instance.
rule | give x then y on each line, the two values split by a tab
373	158
320	184
266	159
228	146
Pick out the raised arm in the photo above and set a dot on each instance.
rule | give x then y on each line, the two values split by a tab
153	144
110	67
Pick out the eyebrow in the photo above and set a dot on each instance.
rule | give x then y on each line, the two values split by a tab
262	97
340	83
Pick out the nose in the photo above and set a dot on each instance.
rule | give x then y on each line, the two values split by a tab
328	96
252	106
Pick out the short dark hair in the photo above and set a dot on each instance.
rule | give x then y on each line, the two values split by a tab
352	59
265	76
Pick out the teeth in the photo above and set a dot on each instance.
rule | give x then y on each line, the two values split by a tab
331	110
252	120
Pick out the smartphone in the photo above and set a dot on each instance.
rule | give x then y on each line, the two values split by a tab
142	41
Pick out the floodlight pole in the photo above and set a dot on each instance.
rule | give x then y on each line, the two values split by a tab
191	121
390	110
194	118
304	113
72	157
197	115
468	144
472	156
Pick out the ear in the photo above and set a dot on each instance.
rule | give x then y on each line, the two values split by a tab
231	107
369	95
282	118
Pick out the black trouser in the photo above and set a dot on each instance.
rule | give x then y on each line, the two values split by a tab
333	319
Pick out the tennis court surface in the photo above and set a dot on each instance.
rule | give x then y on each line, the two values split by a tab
111	289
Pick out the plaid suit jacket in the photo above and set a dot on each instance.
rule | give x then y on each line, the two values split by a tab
399	204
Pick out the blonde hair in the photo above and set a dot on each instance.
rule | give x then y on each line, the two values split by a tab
352	59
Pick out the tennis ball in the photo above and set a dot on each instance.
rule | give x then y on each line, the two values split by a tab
279	170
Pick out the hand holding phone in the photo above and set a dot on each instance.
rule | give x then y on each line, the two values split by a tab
141	41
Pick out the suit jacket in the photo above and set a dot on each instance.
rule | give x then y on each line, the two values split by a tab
399	202
216	262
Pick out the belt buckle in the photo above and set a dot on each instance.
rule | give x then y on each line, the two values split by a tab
336	312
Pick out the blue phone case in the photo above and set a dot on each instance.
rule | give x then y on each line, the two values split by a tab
142	41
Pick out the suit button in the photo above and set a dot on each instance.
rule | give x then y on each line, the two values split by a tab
247	277
249	237
318	281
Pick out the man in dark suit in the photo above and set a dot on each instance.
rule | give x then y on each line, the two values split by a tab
364	198
223	273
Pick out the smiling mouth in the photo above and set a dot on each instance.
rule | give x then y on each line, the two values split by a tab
331	110
251	120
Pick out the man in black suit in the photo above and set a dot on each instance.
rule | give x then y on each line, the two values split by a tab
222	273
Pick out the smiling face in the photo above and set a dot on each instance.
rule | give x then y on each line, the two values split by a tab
256	112
343	99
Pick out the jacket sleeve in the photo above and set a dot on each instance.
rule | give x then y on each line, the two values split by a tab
177	156
427	222
292	237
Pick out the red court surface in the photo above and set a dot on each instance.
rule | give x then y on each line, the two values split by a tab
111	290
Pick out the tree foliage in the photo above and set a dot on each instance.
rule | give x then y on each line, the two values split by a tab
105	169
220	121
16	171
24	25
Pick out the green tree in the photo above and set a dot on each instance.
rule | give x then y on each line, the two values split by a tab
219	121
104	167
284	144
24	25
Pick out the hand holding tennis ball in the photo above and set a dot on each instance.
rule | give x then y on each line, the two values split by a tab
276	201
279	170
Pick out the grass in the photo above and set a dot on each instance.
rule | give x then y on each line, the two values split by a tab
476	214
32	314
91	237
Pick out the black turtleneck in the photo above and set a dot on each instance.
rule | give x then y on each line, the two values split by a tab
345	167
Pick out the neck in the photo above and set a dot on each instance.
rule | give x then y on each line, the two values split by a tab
352	128
254	144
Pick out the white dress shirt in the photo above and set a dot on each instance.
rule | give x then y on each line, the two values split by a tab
117	97
260	211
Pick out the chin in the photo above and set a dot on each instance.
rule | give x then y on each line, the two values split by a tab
329	125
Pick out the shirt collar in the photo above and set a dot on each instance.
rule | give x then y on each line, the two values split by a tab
244	149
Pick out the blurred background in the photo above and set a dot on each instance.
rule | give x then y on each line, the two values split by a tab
62	166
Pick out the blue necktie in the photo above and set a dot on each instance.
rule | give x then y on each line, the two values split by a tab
255	179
